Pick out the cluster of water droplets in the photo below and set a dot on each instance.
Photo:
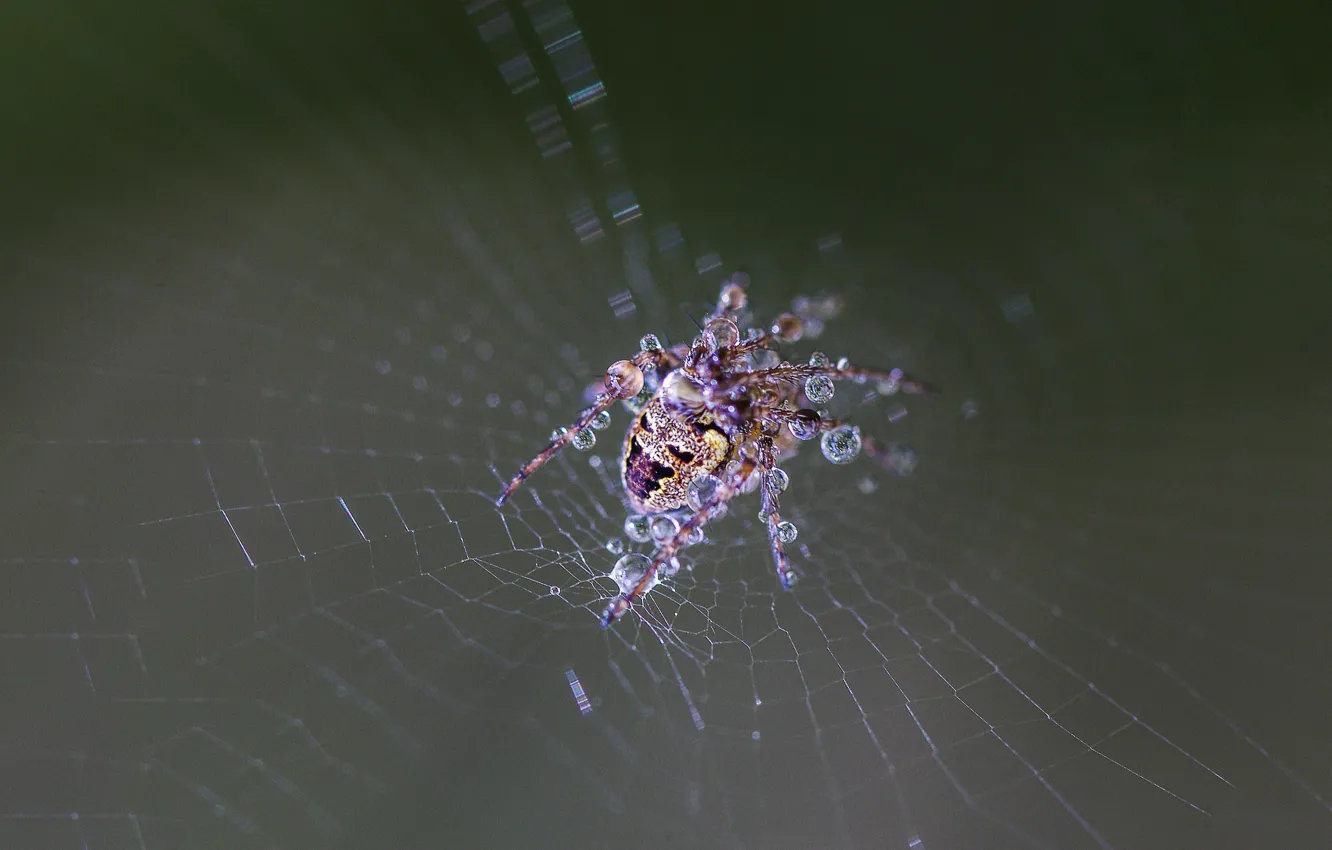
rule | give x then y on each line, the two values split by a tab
839	445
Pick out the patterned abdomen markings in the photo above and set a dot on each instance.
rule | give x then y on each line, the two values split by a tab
663	454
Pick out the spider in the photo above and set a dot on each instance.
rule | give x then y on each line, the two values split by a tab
713	417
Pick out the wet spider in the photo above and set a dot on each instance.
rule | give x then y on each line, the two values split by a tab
711	420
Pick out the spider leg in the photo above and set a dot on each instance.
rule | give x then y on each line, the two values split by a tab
771	509
895	379
603	402
731	486
624	379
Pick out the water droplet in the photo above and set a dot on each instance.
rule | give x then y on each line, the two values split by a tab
819	389
724	331
554	590
787	327
901	459
818	358
557	433
615	546
805	424
969	410
601	421
844	363
668	569
786	531
695	537
664	528
649	342
629	571
841	444
733	294
867	485
703	491
637	528
584	439
778	480
594	462
755	735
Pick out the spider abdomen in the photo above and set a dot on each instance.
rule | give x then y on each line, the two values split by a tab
664	453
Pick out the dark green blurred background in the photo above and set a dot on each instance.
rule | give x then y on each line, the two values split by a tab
1154	179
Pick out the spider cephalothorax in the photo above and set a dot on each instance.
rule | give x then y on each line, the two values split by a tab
713	417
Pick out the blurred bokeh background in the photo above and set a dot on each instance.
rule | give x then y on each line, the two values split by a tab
290	289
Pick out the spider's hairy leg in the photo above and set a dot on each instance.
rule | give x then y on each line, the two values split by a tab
731	485
623	380
771	508
895	378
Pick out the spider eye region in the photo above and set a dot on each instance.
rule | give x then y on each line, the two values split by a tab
664	453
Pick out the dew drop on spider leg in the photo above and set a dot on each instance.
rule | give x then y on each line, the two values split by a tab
558	433
819	389
841	444
786	531
601	421
778	480
637	528
804	424
703	491
649	342
629	571
818	358
664	528
615	546
668	569
724	331
584	440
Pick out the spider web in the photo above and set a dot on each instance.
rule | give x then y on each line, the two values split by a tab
257	593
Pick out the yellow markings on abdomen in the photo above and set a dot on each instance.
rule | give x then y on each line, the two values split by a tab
663	454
